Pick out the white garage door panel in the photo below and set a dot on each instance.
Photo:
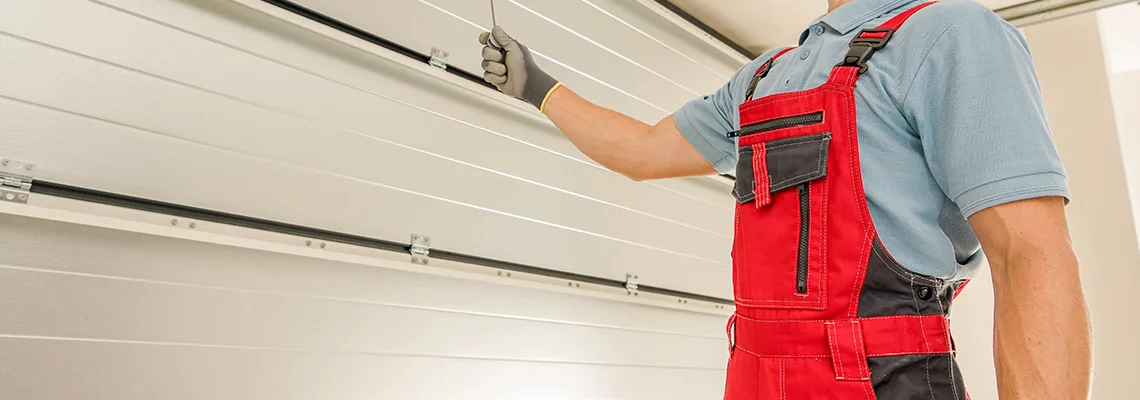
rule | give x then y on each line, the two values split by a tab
83	250
111	94
59	305
37	369
648	23
141	163
410	23
329	115
232	27
650	54
110	314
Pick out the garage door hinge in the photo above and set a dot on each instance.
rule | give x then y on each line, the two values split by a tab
631	284
14	188
420	249
438	58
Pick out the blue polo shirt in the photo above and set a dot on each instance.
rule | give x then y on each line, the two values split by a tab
951	122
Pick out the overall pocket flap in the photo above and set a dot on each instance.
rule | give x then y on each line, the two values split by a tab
779	164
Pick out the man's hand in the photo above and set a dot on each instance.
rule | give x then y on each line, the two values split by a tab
513	70
1041	323
620	143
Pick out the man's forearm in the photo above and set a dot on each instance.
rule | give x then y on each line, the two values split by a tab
606	136
1041	326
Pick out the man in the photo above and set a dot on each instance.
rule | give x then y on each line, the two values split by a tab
936	149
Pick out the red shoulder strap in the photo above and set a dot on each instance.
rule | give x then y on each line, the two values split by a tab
762	72
866	43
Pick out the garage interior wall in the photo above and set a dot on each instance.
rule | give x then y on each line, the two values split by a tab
234	107
1120	26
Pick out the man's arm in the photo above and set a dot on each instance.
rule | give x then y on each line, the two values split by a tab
1041	323
618	142
623	144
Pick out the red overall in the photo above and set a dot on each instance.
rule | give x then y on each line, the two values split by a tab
822	310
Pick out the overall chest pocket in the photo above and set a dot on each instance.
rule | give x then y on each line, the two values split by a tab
780	251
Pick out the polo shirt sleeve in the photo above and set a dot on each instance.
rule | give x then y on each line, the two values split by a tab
976	105
706	121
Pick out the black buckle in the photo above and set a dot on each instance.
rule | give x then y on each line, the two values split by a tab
863	48
763	72
760	74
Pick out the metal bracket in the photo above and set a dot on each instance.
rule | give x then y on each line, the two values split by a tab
631	284
420	249
438	58
15	188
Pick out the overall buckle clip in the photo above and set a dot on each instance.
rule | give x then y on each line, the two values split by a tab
864	45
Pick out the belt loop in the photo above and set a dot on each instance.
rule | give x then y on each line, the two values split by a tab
729	331
848	351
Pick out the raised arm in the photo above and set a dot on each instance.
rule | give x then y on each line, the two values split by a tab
618	142
1041	323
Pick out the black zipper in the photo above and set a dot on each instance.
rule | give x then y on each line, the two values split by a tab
805	232
780	123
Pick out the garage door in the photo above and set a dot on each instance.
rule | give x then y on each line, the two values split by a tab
259	177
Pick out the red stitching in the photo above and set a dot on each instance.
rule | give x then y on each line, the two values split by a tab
825	321
763	192
819	357
783	385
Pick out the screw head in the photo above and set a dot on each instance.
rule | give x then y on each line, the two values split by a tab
4	162
193	225
174	221
30	167
322	245
23	197
309	243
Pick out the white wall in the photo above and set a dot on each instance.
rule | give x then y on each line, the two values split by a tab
1075	81
1120	26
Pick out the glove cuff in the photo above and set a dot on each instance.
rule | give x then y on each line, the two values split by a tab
538	87
542	106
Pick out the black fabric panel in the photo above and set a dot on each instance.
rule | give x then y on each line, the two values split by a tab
920	376
797	160
890	289
791	162
743	188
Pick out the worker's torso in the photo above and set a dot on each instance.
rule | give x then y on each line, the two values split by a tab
916	220
823	310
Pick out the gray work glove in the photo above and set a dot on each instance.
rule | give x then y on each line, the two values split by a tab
514	72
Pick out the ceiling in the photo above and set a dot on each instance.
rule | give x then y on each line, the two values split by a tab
759	25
